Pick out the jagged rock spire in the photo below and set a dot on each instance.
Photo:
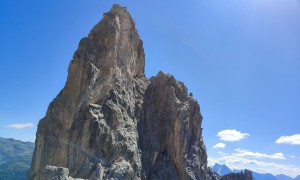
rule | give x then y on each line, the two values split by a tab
114	42
111	122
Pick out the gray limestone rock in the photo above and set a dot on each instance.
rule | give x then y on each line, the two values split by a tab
54	173
211	175
111	122
170	133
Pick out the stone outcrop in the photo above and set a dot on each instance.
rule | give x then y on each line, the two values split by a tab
54	173
111	122
211	175
170	135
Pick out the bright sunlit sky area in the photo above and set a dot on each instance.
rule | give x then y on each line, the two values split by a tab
239	58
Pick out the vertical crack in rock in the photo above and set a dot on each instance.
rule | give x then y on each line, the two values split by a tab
110	121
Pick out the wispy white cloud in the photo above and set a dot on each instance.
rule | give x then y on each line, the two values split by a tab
249	154
235	162
21	126
222	153
232	135
294	139
293	156
219	146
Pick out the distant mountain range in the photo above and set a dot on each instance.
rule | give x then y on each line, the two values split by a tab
223	169
15	158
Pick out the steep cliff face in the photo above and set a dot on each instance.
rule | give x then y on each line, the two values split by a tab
110	121
170	135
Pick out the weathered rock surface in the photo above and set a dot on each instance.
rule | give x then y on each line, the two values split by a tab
170	135
211	175
111	122
54	173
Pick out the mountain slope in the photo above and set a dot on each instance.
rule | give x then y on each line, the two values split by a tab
258	176
223	170
15	158
297	178
283	177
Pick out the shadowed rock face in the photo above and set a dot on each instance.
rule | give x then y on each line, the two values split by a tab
110	121
170	135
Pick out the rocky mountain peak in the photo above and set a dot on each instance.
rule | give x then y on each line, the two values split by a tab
111	122
114	43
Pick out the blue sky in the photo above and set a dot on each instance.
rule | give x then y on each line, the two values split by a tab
239	58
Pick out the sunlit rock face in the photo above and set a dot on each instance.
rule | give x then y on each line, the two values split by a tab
110	121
